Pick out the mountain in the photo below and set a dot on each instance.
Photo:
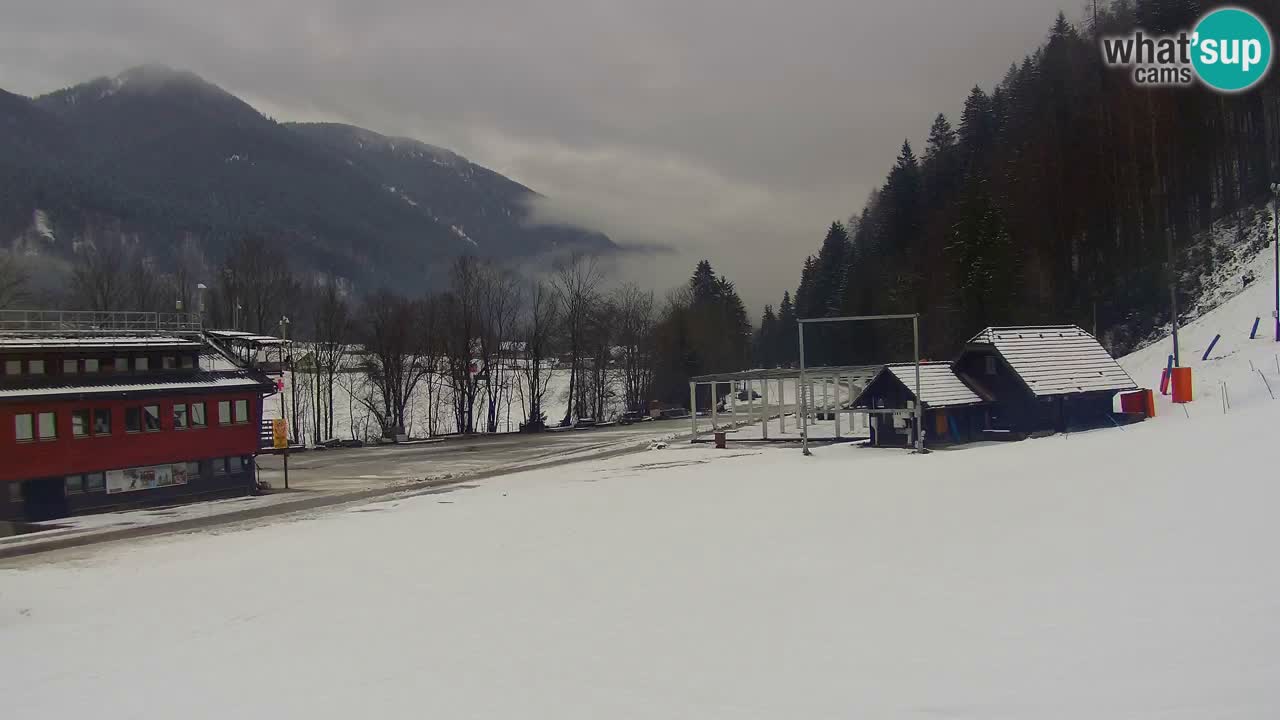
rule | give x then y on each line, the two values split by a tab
157	155
478	205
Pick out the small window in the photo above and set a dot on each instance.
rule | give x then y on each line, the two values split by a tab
179	417
80	423
140	364
70	367
95	482
219	466
151	417
122	364
188	362
74	484
197	415
991	365
48	426
234	465
193	471
102	421
91	365
12	367
35	367
224	412
170	362
23	427
242	411
15	492
133	419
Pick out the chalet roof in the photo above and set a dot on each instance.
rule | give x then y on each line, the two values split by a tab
94	342
939	384
176	382
1056	359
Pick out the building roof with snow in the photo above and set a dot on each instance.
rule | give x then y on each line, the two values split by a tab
1055	359
939	384
26	342
79	386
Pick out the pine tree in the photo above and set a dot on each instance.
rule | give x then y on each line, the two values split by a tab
786	343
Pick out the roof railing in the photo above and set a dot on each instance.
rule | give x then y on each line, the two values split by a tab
73	322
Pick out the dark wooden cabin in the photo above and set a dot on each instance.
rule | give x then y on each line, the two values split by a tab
1048	378
954	411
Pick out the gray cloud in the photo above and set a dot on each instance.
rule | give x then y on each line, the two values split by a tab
729	129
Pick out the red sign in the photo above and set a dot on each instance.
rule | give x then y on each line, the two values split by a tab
280	384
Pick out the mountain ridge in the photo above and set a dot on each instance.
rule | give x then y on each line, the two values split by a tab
155	155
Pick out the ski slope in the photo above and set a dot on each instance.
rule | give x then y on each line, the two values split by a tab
1236	359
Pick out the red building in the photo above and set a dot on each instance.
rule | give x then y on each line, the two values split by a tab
95	420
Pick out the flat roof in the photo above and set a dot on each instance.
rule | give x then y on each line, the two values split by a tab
862	372
178	382
93	342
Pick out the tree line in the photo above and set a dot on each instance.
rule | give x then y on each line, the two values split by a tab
1065	194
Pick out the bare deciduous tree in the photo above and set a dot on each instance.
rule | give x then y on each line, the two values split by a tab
398	355
256	277
460	317
577	282
635	322
537	336
331	330
499	300
98	275
13	280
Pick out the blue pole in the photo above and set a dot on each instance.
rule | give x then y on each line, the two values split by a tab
1210	348
1254	332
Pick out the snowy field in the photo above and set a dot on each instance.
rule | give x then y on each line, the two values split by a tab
353	421
1108	574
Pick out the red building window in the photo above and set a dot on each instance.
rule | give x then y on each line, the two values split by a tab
102	421
24	427
80	423
197	415
48	426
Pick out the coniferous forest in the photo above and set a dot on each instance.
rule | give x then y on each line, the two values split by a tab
1057	196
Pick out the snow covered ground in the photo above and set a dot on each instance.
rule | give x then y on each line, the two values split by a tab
1116	573
1109	574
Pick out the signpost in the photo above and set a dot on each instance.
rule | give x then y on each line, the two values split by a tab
280	440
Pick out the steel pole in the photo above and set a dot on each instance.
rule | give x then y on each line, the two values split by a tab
804	415
915	327
1275	217
693	411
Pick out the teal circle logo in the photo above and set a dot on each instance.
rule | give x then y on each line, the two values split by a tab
1231	49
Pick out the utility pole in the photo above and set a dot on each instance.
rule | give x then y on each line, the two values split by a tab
284	335
1173	294
1275	218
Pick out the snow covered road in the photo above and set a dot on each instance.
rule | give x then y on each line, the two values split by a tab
1110	574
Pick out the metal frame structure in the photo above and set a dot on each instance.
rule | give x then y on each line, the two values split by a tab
93	321
830	377
915	326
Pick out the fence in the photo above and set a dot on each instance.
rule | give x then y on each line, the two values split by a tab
92	321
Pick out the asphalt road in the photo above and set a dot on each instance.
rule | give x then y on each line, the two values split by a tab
357	469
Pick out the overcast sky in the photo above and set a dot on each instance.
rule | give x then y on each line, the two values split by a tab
730	129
